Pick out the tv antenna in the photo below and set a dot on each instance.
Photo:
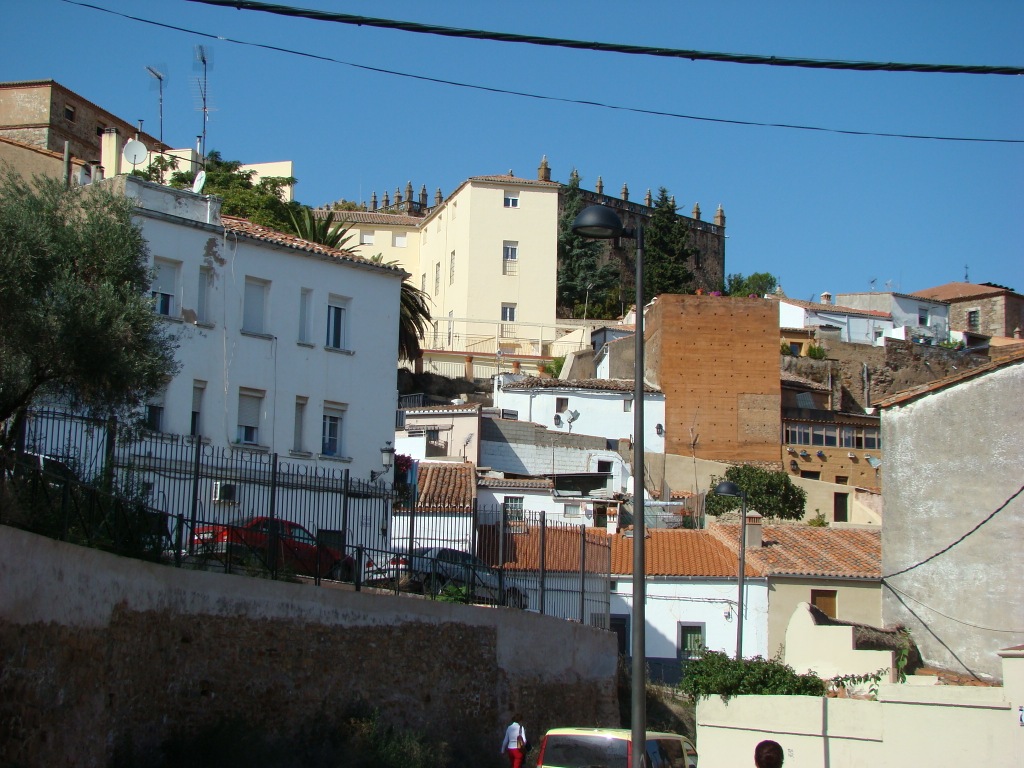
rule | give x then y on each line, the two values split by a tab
872	282
966	278
203	64
159	77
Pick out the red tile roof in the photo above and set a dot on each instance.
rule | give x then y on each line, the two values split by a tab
818	307
561	546
803	550
246	228
960	291
800	381
516	180
537	483
606	385
907	395
446	485
371	217
678	552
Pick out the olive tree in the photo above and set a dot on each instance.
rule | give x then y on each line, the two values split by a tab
771	493
76	320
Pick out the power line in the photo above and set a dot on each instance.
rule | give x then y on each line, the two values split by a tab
641	50
945	549
540	97
946	616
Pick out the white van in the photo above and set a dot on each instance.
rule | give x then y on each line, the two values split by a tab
612	748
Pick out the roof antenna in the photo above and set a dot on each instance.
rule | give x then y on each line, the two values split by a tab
203	62
159	77
966	278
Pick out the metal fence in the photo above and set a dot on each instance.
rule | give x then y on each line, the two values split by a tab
181	500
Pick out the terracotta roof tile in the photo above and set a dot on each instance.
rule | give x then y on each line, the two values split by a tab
446	485
961	291
678	552
510	179
803	550
539	483
371	217
247	228
562	549
606	385
906	395
793	379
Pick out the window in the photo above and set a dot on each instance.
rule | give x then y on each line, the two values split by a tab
807	474
571	510
825	601
860	437
798	434
840	507
451	269
973	320
164	291
690	641
605	467
922	316
250	403
508	313
100	129
366	237
305	315
842	480
512	507
423	282
298	437
254	305
203	295
437	278
196	426
155	413
451	327
795	348
511	199
823	435
510	258
337	311
69	113
398	240
561	404
331	443
627	405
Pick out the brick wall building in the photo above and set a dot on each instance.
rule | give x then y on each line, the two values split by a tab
988	309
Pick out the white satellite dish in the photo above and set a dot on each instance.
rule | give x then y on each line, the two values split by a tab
135	152
197	185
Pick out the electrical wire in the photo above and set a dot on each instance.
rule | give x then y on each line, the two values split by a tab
540	97
641	50
945	549
951	618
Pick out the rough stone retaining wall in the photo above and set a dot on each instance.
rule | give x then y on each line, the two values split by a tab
101	656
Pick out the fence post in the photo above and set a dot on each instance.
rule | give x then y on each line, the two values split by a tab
344	510
501	550
543	557
196	467
178	539
275	535
108	455
583	574
360	559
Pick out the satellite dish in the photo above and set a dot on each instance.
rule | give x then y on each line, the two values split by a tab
197	185
135	152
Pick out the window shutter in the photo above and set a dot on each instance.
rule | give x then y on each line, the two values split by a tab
249	410
253	317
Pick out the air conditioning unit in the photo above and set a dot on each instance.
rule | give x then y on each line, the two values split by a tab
224	491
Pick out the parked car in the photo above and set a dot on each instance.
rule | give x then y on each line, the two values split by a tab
612	748
435	568
296	548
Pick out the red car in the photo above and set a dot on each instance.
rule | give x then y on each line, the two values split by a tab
297	549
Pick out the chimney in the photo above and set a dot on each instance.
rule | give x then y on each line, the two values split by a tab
111	146
696	211
625	191
826	298
755	536
720	216
544	172
600	186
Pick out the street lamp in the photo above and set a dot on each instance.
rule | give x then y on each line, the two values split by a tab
387	459
727	488
602	223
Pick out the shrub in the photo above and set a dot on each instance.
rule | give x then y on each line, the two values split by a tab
816	352
713	673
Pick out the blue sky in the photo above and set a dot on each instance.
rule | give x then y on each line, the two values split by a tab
822	211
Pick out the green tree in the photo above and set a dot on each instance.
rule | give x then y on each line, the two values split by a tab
713	673
261	202
585	286
76	321
772	494
414	319
757	284
325	230
666	251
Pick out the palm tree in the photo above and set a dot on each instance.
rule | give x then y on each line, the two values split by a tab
414	320
326	231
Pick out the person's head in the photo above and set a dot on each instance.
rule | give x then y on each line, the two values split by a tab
517	718
768	754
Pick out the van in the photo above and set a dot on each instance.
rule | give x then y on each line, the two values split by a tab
612	748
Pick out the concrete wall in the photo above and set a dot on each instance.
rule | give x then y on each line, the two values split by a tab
908	725
953	459
828	650
529	449
100	653
858	601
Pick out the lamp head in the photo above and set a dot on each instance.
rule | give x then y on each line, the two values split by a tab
598	222
728	488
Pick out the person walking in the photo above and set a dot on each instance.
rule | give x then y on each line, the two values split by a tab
768	754
512	744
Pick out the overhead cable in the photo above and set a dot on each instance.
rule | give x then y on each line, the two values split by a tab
641	50
887	585
560	99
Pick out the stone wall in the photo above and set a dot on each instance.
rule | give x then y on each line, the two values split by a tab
104	657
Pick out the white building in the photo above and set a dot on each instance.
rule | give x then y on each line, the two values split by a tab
914	318
602	407
858	326
285	346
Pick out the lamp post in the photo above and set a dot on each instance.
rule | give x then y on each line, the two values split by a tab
387	460
728	488
602	223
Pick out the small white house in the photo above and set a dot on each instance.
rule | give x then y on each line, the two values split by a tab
602	407
914	318
858	326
